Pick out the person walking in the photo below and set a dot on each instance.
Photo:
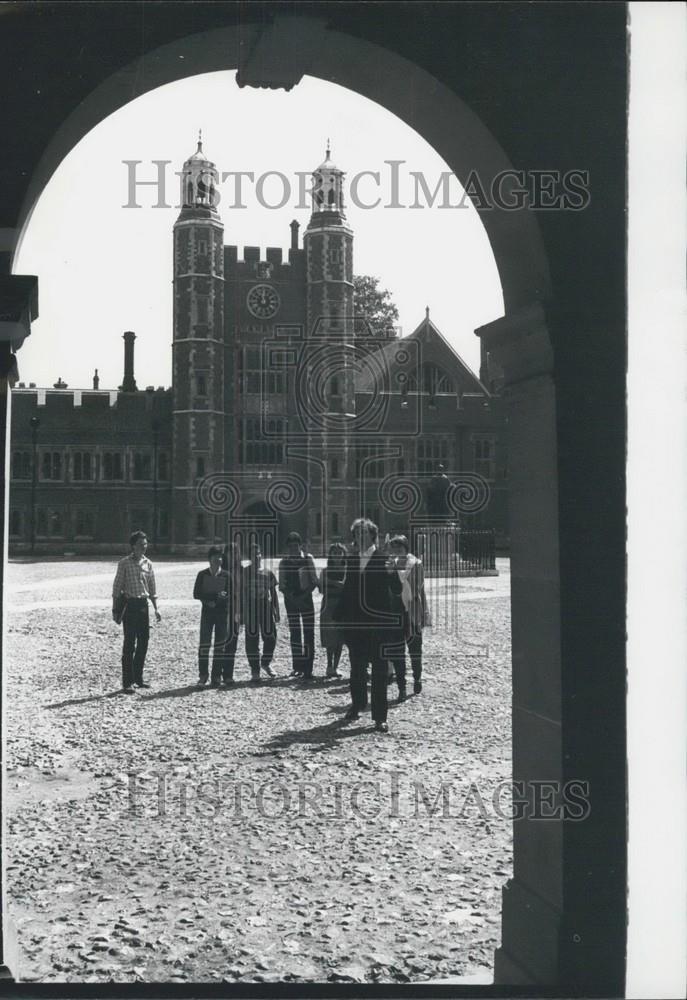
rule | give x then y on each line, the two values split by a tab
212	590
134	584
297	580
260	604
366	615
411	603
331	586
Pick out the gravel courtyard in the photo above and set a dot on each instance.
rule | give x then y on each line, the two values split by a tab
249	834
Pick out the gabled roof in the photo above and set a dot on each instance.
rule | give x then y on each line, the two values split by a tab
444	355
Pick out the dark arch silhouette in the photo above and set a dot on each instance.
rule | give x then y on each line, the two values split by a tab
564	911
435	112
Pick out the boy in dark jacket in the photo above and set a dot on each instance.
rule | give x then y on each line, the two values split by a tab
212	590
297	580
370	626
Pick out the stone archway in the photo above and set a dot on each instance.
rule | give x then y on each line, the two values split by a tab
262	524
278	56
538	925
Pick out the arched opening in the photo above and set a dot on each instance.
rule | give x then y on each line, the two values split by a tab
534	927
259	525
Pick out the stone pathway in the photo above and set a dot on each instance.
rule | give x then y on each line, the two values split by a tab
248	835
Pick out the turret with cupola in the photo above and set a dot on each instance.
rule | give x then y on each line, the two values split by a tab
328	243
198	366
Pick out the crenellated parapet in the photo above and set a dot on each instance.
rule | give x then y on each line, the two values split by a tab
252	264
73	415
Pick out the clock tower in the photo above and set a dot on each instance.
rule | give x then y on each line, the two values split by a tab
199	352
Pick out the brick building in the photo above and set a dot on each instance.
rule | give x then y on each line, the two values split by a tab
286	410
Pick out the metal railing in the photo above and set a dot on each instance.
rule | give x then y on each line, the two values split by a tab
476	550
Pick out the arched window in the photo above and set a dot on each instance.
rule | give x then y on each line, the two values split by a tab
112	465
82	466
51	467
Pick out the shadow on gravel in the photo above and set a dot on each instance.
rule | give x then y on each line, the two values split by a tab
83	701
238	685
173	693
316	684
329	734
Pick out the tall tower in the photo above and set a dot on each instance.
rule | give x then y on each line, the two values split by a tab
328	243
198	358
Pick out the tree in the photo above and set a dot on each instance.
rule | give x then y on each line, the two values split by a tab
374	305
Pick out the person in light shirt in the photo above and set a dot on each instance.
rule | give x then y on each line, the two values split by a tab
260	609
135	581
412	604
367	619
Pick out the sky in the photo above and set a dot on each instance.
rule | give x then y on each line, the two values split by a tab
106	267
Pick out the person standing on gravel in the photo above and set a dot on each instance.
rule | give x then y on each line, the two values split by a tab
135	582
365	614
297	580
231	565
260	607
331	585
212	590
411	603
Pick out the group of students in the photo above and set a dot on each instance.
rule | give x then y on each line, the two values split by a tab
372	601
233	595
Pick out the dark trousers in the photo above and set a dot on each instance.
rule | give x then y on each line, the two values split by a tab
136	631
360	655
213	620
266	631
230	654
302	638
397	655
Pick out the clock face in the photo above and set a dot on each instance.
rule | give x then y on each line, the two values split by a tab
263	301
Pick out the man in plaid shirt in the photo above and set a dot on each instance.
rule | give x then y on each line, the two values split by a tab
135	579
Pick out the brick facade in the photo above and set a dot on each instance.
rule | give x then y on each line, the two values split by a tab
276	384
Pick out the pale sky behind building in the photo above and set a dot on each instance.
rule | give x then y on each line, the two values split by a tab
105	268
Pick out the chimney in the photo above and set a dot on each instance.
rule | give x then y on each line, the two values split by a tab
483	363
96	379
129	383
295	226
